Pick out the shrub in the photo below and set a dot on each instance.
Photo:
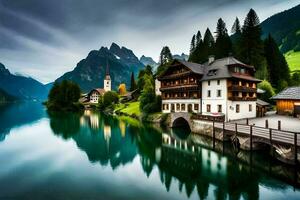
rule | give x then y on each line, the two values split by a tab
269	90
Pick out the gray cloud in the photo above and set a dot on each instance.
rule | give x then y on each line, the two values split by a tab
36	36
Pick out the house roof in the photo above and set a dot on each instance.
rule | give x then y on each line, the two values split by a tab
101	91
292	93
195	67
219	69
261	102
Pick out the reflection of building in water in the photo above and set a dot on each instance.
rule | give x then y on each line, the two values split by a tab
211	162
90	118
94	121
107	134
122	126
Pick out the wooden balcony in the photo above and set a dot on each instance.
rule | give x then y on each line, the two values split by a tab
239	88
187	97
236	98
175	76
181	87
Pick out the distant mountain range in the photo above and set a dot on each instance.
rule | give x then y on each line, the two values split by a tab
284	28
149	61
89	72
20	87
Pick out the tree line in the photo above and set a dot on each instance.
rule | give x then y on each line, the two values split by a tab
244	43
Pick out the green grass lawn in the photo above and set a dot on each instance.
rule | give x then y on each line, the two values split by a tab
293	59
129	108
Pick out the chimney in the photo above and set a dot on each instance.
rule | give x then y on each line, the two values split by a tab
211	59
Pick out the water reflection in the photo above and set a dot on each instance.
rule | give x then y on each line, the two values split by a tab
186	160
17	114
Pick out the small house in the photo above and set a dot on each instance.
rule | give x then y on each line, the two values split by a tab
288	101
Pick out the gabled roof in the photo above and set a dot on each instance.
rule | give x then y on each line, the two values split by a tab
194	67
292	93
101	91
219	69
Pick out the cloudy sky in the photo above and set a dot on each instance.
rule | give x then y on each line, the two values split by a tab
45	38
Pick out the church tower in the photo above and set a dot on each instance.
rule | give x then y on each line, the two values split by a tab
107	80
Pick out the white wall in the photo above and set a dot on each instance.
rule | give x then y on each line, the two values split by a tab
182	101
94	97
107	85
214	100
244	110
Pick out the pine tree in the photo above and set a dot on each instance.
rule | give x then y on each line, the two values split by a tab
208	38
193	44
236	27
132	82
165	56
223	42
198	38
250	48
278	68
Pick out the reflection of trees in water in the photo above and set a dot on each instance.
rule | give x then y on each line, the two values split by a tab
17	114
201	169
98	136
110	141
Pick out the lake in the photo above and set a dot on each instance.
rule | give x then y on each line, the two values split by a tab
93	156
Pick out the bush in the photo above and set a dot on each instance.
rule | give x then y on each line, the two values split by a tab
109	99
269	90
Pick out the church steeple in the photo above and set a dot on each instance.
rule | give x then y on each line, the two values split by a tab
107	80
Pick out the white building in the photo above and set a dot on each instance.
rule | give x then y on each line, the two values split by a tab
227	87
95	94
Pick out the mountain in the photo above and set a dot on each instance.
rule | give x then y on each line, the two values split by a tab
148	61
284	28
5	97
183	57
89	72
22	87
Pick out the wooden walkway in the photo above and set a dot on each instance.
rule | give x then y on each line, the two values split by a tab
268	135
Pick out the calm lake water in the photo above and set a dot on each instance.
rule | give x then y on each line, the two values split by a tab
92	156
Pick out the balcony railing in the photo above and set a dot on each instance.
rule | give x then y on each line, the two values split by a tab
173	76
239	88
165	98
235	98
181	88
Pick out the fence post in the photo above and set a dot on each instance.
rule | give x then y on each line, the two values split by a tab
247	121
270	136
236	128
295	149
279	125
251	132
267	123
214	133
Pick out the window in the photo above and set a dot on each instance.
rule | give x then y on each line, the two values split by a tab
177	106
208	108
208	93
196	107
250	107
208	82
219	108
218	82
219	93
182	107
237	108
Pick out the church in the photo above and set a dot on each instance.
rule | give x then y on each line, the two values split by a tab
95	94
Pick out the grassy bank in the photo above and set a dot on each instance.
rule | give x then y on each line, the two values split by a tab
293	60
129	109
